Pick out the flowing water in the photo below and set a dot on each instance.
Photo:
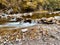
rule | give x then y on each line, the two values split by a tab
17	24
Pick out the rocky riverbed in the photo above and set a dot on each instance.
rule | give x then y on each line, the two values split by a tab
41	34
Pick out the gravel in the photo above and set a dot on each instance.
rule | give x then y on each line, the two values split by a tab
42	34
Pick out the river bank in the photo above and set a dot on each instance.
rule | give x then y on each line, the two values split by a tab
37	31
42	34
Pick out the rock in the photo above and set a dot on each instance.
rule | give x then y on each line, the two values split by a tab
25	14
50	19
30	14
28	20
57	18
24	30
47	20
43	20
57	22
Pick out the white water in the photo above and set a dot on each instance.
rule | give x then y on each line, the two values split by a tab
17	24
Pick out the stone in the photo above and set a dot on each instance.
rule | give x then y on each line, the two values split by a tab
57	17
49	19
24	30
30	14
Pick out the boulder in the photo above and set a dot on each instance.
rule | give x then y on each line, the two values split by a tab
49	19
43	20
57	18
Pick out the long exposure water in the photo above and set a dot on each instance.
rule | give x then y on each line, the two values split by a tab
17	24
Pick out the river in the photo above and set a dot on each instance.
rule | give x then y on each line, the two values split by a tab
17	24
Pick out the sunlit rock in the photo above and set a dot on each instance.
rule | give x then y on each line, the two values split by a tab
50	19
57	17
24	30
43	20
25	14
30	14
